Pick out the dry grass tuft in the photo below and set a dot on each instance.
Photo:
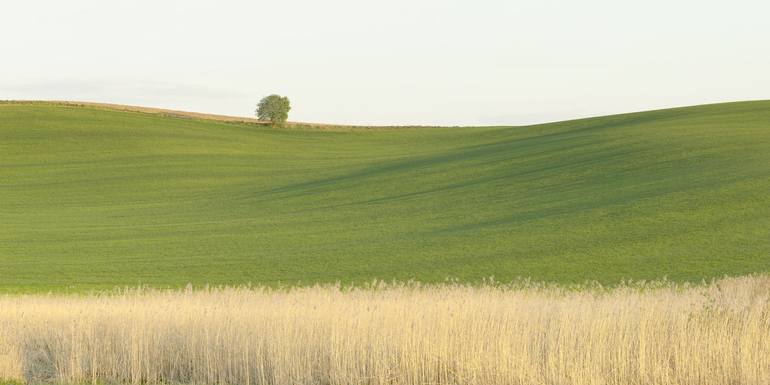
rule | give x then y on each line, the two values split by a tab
395	334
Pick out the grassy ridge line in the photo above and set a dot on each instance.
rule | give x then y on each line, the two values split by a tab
94	198
241	119
198	115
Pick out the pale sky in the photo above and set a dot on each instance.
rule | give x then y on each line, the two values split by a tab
390	62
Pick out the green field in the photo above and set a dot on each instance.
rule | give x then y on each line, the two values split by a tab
93	198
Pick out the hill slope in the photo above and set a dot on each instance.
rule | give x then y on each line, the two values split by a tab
92	198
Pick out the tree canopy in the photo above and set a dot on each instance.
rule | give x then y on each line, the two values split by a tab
274	108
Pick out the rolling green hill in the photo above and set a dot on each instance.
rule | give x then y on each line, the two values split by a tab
93	198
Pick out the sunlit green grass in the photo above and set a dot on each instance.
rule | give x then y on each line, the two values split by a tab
92	198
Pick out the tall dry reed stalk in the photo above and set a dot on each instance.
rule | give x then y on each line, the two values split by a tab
396	334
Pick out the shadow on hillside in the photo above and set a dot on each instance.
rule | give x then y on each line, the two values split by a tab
558	207
507	150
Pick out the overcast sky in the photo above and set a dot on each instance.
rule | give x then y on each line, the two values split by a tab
390	62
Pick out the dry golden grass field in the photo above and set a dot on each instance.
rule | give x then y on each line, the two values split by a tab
641	334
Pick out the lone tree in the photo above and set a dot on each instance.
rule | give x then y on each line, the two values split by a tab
273	108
